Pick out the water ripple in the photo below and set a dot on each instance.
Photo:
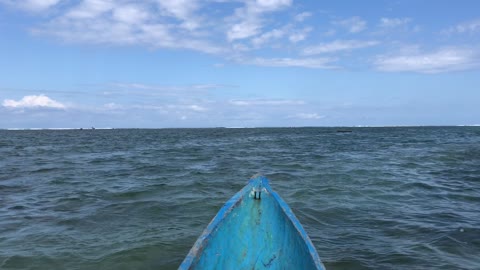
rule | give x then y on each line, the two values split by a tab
376	198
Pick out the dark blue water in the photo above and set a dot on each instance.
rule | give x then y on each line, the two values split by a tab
374	198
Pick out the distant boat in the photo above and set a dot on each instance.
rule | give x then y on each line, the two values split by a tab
255	229
344	130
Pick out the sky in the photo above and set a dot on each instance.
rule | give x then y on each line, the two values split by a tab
238	63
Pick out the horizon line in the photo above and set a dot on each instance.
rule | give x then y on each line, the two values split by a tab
339	126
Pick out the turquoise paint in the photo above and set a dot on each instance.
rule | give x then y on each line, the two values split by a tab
252	233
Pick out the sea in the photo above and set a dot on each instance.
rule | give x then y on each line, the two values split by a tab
369	198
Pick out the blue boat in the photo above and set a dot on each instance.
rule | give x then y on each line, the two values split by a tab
255	229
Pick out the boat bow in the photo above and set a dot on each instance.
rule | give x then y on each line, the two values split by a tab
255	229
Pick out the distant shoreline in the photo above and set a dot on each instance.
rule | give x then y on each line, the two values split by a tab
341	127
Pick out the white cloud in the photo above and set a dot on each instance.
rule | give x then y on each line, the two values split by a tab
265	102
465	27
130	14
40	4
300	35
141	86
88	9
264	38
244	29
297	37
162	24
113	106
307	116
183	10
40	101
323	62
196	108
394	22
353	24
238	47
31	5
175	107
233	29
272	4
209	86
248	20
178	24
442	60
155	107
100	21
338	45
294	35
179	8
186	93
302	16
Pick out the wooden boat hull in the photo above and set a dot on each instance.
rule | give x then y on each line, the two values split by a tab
255	229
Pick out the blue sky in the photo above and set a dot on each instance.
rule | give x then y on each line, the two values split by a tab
238	63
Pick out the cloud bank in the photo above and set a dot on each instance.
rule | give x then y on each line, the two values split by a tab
443	60
33	101
268	33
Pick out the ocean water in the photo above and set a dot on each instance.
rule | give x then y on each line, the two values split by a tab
373	198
